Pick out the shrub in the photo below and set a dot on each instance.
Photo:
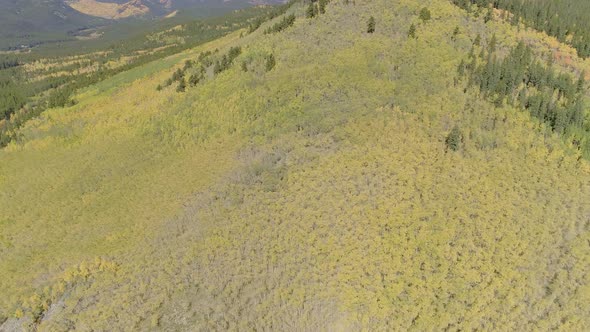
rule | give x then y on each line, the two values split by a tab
454	139
425	14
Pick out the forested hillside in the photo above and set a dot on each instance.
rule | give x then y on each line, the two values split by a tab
31	82
382	165
567	20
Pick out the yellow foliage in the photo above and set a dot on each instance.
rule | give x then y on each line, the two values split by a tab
316	196
109	10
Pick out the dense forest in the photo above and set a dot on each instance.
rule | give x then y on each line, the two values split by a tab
567	20
521	79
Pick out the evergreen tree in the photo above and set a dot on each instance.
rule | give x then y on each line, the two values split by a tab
282	25
178	74
489	16
322	5
461	68
425	14
552	97
254	26
477	40
371	25
566	20
60	97
11	98
194	80
181	86
270	62
454	139
492	45
581	81
217	68
412	31
515	20
311	11
455	33
234	52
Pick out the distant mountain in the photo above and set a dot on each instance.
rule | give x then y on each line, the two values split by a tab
28	21
109	10
118	9
25	23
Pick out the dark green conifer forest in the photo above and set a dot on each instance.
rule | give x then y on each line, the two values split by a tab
567	20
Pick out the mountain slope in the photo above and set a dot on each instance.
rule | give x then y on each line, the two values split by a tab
319	194
25	22
110	10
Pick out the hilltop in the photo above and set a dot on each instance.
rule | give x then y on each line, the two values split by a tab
349	165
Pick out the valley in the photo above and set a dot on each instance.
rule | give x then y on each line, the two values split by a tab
27	24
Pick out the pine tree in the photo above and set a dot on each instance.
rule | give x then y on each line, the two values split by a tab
311	10
371	25
477	40
285	23
322	5
581	82
515	19
492	45
461	69
489	16
194	80
270	62
455	33
217	68
178	74
181	86
412	31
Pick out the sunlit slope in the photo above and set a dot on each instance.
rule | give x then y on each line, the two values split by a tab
94	178
109	10
319	195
